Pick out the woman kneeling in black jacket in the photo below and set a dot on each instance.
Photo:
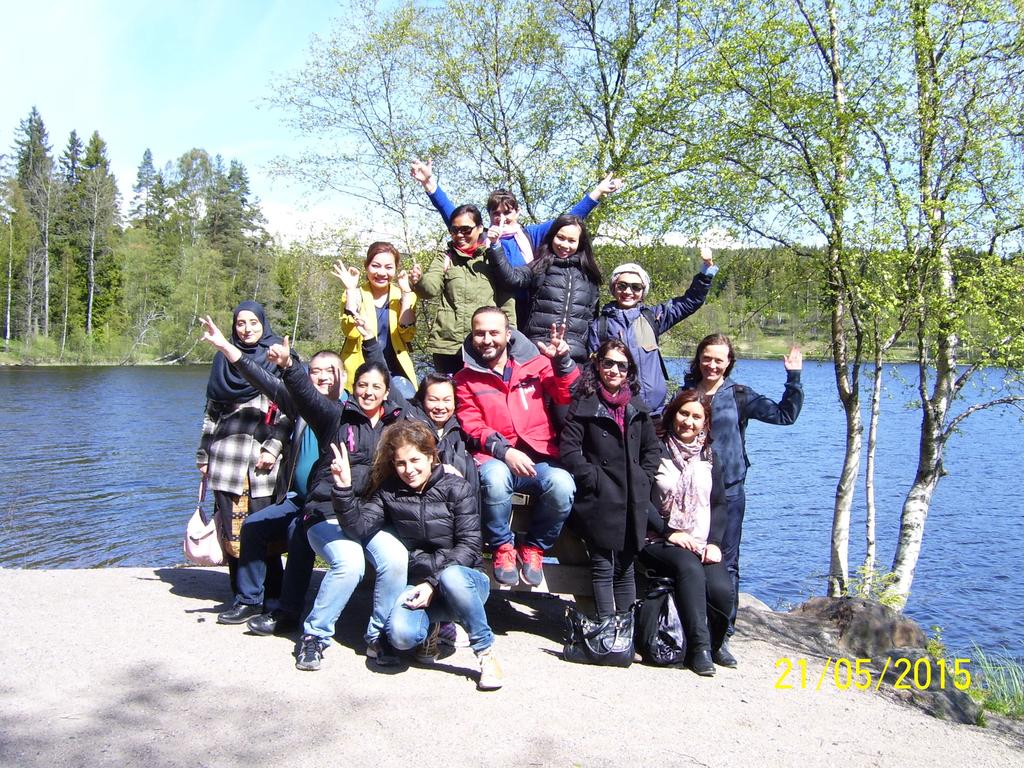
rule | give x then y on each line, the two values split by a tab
434	513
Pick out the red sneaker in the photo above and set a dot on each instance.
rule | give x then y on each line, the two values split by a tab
503	559
531	561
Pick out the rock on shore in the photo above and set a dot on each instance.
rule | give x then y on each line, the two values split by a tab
121	667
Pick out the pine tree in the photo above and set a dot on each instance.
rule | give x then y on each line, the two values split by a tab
145	181
35	176
70	233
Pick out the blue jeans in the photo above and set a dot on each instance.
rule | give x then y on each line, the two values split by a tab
460	596
553	489
277	521
345	568
403	385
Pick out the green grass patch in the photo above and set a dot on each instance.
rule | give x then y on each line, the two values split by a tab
998	683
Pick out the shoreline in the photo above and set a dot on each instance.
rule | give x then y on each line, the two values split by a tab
141	647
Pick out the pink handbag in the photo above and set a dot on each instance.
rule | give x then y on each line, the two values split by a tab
202	540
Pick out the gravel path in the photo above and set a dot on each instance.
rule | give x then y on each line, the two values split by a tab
120	667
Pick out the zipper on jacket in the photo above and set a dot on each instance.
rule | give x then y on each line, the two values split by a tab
570	271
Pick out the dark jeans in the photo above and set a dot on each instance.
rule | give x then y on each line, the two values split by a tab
449	364
223	502
612	575
703	593
736	500
273	523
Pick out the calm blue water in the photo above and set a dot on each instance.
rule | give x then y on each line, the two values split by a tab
100	471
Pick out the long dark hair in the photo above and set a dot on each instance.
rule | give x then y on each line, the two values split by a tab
585	250
693	376
668	417
590	378
402	432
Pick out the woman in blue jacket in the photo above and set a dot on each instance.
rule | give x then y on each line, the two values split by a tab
639	326
732	406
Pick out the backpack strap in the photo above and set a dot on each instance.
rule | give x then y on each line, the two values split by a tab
647	315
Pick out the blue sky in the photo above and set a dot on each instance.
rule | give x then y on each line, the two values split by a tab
169	76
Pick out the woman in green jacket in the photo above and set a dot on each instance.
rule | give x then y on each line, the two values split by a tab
462	280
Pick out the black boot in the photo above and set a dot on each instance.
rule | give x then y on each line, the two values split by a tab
722	657
239	614
701	663
273	622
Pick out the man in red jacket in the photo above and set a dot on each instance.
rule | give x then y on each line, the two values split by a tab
506	394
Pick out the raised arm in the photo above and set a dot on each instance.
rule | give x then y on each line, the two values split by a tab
321	413
563	367
507	275
360	519
786	411
424	174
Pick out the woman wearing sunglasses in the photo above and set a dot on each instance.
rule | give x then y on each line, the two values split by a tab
463	279
610	448
639	326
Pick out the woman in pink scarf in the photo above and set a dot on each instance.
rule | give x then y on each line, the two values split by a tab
686	529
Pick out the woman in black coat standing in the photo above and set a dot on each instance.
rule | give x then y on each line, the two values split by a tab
610	447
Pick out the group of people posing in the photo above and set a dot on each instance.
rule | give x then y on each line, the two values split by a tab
535	389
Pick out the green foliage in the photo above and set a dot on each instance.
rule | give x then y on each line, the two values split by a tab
875	584
934	645
998	682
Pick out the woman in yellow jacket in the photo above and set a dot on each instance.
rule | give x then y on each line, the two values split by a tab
384	305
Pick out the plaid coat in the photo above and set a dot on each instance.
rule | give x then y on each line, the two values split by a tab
232	438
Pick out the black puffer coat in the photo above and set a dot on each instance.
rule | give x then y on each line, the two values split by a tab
563	293
613	479
439	525
345	425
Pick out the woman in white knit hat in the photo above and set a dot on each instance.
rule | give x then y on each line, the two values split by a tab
639	326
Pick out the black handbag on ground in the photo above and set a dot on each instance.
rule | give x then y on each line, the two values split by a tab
660	638
606	642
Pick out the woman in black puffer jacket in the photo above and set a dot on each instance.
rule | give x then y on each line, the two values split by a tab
564	283
432	510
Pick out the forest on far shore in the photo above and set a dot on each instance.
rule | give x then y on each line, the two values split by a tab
84	284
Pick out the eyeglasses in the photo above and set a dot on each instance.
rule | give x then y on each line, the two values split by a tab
607	364
464	231
634	287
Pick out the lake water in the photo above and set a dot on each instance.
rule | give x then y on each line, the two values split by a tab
101	472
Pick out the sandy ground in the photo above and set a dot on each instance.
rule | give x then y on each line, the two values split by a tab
128	667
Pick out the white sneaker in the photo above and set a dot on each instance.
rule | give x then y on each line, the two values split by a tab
491	676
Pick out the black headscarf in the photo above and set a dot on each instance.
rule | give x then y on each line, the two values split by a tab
226	385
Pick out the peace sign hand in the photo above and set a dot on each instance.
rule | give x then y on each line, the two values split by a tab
558	347
607	186
340	468
212	333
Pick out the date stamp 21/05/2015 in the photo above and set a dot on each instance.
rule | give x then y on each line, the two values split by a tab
860	674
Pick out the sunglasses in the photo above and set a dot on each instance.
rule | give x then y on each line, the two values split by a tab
607	363
464	231
634	287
